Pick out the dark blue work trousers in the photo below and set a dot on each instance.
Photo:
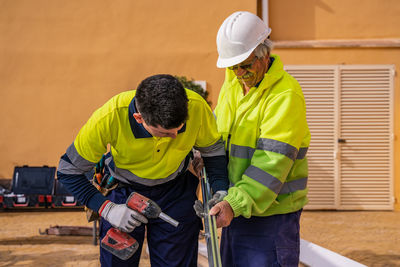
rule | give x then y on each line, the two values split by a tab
262	241
168	245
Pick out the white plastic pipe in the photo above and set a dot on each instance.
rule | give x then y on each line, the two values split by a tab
315	256
203	249
311	255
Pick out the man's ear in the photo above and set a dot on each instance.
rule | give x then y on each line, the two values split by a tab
138	117
266	58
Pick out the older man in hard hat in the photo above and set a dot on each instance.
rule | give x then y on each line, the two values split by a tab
261	114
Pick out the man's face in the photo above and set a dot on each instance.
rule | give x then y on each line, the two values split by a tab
251	71
157	131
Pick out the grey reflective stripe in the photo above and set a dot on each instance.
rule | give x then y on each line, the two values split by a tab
302	153
79	165
126	176
264	178
295	185
228	142
217	149
68	168
289	151
243	152
278	147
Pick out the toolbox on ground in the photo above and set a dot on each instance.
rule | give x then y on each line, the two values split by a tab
20	200
33	180
36	187
31	187
62	198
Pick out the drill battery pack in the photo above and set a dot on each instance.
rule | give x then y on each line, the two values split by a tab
119	244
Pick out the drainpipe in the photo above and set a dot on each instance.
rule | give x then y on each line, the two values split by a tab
264	11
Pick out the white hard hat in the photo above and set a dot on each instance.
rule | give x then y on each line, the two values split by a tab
238	36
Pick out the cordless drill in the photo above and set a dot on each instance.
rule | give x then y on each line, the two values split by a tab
122	244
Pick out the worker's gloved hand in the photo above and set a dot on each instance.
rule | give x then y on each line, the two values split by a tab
216	198
198	208
122	217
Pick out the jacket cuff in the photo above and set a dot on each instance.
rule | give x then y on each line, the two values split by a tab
103	206
235	205
96	201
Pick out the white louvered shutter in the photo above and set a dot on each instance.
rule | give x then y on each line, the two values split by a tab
318	84
366	127
350	116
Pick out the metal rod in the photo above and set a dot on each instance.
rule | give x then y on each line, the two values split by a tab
168	219
94	233
210	226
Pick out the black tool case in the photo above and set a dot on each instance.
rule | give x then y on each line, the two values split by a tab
31	187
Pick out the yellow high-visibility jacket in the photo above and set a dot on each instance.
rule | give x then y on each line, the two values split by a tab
267	137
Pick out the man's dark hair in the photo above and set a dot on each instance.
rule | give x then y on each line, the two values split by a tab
162	100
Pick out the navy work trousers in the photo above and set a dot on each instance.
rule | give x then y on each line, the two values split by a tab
168	245
262	241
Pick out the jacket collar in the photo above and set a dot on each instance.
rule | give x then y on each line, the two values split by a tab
274	73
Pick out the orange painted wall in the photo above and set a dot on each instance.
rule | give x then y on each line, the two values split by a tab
334	19
60	60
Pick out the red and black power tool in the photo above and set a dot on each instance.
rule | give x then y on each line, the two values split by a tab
122	244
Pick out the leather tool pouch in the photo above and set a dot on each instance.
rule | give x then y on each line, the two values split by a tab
107	184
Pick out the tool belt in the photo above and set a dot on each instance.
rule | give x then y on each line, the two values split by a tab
104	182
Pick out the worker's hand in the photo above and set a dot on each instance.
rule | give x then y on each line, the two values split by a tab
198	208
122	217
217	197
223	212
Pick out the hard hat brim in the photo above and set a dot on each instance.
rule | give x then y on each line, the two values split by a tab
228	62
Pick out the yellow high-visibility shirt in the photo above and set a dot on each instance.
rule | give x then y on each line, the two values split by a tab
136	155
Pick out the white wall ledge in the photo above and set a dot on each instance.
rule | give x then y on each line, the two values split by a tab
339	43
